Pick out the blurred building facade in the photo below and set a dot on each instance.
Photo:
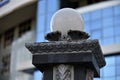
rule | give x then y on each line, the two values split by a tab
17	26
19	23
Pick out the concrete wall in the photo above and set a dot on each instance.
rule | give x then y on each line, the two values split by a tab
20	55
20	14
13	5
11	15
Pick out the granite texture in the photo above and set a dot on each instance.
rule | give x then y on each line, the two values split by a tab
72	35
72	49
87	60
56	47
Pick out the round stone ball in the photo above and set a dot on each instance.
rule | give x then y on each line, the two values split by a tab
67	19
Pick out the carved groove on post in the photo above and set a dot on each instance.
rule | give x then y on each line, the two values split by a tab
63	72
90	74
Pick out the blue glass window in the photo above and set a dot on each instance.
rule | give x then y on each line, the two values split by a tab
109	71
41	7
96	34
110	78
40	23
107	21
110	60
118	59
37	75
86	16
117	19
117	30
107	32
118	78
49	16
118	70
117	39
108	40
101	72
101	41
96	24
97	78
107	11
52	5
117	10
96	14
40	37
87	27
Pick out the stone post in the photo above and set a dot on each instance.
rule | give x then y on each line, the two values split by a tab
69	54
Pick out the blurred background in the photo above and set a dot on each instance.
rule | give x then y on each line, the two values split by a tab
23	21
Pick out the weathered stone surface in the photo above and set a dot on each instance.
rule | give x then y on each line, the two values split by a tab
56	47
82	59
63	72
72	35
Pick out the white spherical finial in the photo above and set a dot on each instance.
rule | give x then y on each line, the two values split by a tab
67	19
